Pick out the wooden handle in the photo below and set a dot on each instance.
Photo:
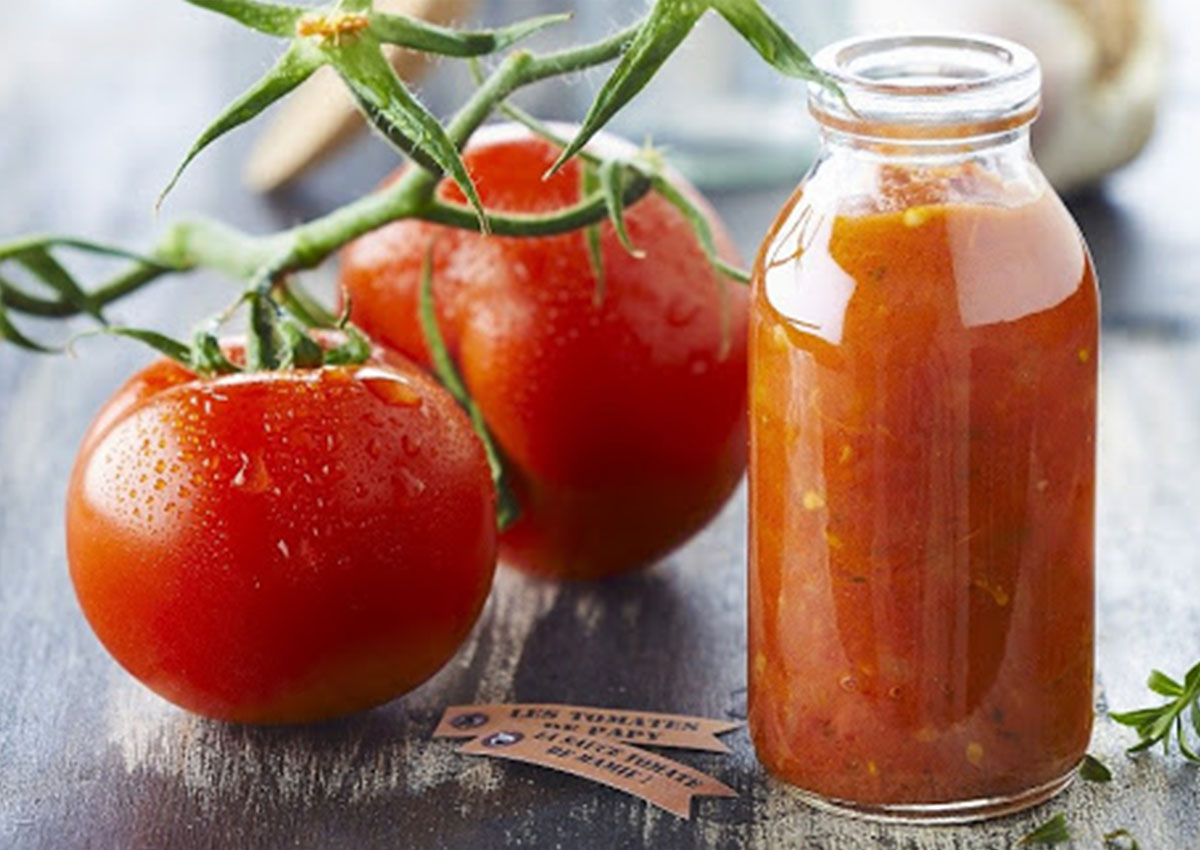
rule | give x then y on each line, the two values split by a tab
319	117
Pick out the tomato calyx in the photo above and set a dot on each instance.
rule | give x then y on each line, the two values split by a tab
288	329
508	509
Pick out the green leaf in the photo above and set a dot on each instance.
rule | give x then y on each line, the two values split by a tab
263	342
10	333
416	34
161	343
399	116
770	39
356	349
540	128
1161	727
591	237
270	18
50	272
699	222
300	304
1181	739
17	247
23	302
300	351
292	69
1053	831
1161	683
704	234
612	181
1121	839
665	28
507	509
1191	680
207	358
1137	718
1094	770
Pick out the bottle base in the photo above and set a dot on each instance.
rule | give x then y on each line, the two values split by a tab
935	814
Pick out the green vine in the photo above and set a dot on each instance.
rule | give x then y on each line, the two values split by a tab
349	36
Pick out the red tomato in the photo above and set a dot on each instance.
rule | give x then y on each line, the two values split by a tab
281	547
624	422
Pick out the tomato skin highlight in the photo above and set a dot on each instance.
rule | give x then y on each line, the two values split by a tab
281	547
623	420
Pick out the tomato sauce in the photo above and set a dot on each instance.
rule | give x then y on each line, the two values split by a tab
923	380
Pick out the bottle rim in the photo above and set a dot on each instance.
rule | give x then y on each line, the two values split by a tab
931	86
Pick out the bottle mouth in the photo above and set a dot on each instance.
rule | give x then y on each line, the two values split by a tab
927	86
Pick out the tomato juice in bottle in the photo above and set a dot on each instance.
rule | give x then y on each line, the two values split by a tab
923	350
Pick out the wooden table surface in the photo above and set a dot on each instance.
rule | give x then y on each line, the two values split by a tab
97	100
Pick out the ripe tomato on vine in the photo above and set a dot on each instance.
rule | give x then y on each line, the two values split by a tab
621	410
281	546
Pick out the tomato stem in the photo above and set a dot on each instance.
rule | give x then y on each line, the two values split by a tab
262	261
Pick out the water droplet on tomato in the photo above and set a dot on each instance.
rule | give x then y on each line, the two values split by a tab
413	485
848	683
391	389
252	476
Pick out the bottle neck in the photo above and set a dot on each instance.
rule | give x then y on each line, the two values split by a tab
926	96
1010	143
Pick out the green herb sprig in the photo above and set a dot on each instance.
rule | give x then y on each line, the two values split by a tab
1157	724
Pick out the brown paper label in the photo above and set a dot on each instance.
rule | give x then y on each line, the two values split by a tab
664	782
644	728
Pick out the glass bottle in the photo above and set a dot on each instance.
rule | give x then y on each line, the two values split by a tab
923	357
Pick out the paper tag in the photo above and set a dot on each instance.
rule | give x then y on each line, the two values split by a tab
661	781
644	728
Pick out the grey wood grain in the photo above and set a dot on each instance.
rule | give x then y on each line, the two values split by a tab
89	759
